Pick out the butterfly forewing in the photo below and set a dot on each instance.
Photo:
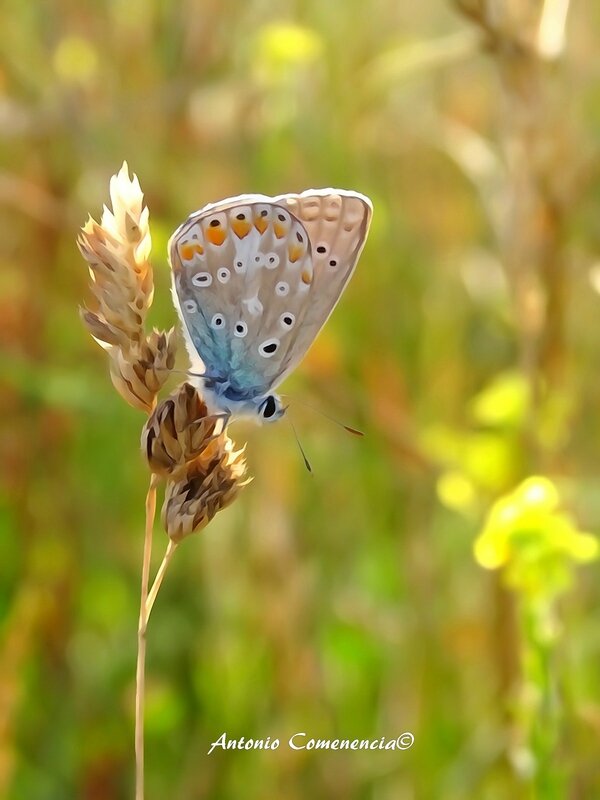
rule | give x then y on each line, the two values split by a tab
240	278
255	278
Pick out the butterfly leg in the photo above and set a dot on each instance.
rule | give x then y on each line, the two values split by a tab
225	417
222	387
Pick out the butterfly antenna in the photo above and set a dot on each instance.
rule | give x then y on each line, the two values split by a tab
182	372
306	461
347	428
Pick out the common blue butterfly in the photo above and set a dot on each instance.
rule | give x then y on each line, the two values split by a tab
254	280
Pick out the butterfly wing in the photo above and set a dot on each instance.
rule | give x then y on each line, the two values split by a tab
255	278
337	223
228	261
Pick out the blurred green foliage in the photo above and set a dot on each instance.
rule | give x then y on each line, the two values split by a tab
348	604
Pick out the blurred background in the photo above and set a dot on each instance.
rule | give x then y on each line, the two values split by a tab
430	577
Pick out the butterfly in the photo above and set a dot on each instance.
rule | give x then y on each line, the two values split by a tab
255	278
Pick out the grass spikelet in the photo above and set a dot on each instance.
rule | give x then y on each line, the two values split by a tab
210	482
117	252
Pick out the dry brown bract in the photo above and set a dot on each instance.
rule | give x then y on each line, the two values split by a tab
182	442
209	483
178	431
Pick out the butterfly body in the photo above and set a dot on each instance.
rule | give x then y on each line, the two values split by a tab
254	280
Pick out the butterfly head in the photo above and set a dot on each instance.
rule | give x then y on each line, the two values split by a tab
222	398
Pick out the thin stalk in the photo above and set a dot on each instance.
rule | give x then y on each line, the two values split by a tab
141	654
171	547
545	719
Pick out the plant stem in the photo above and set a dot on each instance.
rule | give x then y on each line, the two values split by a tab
141	654
544	712
159	577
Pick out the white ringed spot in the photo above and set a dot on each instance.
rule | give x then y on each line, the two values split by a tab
268	348
202	279
286	320
217	323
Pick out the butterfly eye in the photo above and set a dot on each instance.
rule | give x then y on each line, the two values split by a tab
202	279
240	216
268	348
333	263
259	260
269	407
223	275
240	330
282	288
217	322
239	266
190	306
272	260
214	223
287	320
322	249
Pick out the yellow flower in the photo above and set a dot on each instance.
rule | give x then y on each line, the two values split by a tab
532	540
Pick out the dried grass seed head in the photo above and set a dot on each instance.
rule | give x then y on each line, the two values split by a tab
138	373
117	251
210	484
178	431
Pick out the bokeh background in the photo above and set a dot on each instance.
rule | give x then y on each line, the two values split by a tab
414	583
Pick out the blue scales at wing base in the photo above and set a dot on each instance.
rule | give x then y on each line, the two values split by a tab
235	382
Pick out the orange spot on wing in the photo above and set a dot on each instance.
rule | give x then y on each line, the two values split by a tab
216	235
189	249
261	224
241	227
279	230
186	251
295	252
306	276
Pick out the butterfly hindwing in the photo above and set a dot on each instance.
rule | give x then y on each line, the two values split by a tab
337	223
